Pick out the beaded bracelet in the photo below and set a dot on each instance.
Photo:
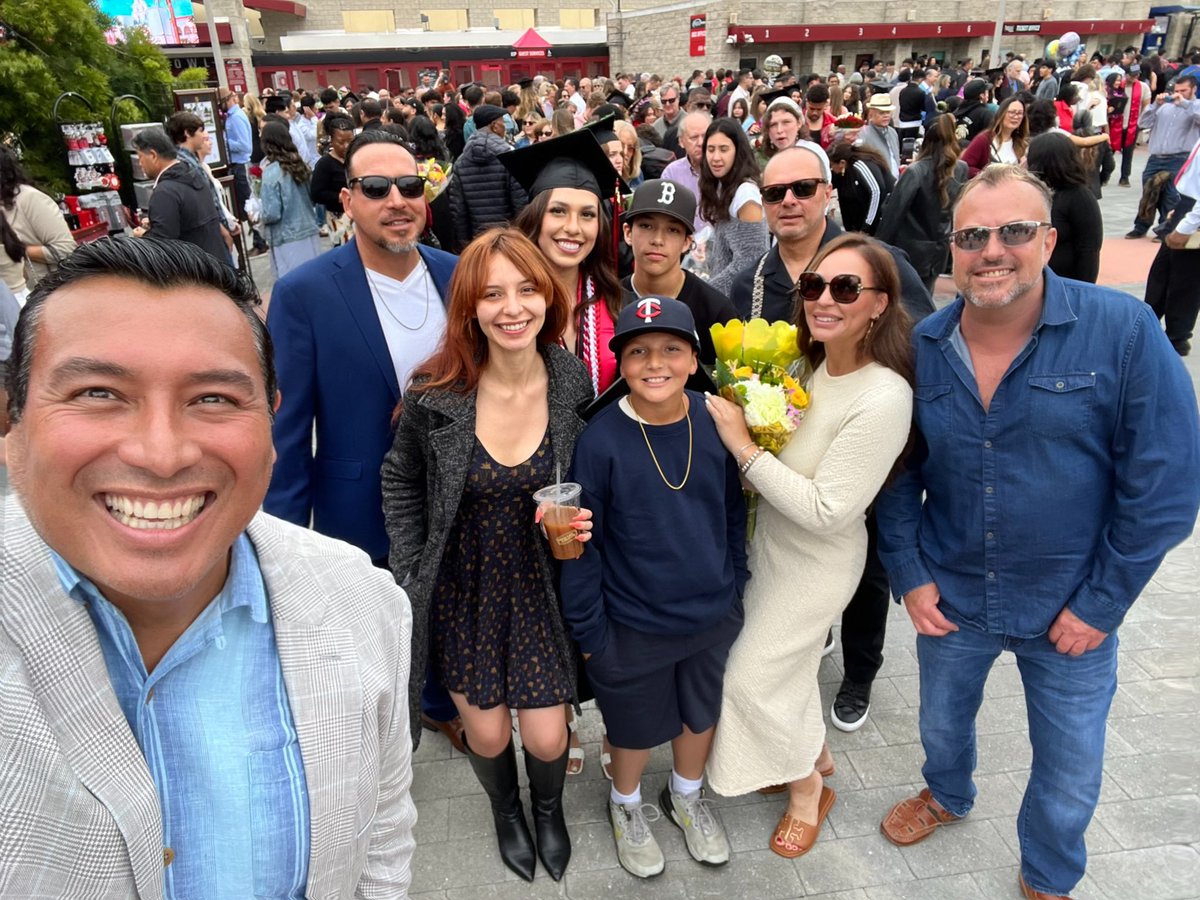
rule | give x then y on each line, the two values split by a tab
741	450
745	467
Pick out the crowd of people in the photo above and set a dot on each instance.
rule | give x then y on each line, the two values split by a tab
521	295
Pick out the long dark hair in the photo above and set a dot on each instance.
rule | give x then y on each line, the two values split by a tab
941	148
888	342
277	146
1020	137
1053	158
600	264
844	151
456	121
717	193
426	143
12	177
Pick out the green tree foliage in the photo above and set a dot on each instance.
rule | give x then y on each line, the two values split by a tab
194	78
61	47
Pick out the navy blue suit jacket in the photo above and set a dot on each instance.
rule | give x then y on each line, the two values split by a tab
335	370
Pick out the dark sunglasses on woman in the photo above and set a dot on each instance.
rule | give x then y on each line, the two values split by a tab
843	288
377	187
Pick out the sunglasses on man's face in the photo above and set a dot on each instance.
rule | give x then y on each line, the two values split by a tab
802	190
843	288
1014	234
377	187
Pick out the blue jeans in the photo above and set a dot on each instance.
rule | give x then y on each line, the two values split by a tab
1169	198
1067	700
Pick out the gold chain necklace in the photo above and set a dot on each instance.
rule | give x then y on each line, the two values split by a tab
687	415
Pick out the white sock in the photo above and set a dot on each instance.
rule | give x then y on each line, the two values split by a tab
685	786
634	799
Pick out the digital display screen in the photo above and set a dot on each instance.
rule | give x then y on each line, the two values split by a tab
164	21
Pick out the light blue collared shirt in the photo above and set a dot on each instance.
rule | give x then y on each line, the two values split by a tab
214	724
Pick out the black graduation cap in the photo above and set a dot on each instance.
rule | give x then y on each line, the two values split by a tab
619	98
604	130
349	97
574	160
524	83
784	93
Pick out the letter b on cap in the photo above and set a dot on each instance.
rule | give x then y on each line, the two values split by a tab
667	197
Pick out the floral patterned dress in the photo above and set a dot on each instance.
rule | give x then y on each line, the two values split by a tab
493	636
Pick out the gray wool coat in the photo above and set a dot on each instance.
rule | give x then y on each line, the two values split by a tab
423	478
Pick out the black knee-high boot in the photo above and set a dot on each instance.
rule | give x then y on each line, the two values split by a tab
498	775
545	794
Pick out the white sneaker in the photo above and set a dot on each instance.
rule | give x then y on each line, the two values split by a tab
702	830
637	851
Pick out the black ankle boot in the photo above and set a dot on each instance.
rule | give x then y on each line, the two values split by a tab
498	775
545	796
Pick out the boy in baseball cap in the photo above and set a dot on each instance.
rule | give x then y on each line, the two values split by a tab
658	227
655	600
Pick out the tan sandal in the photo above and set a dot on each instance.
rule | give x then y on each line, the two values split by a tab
911	821
793	838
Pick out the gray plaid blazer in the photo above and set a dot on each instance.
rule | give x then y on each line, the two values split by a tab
79	816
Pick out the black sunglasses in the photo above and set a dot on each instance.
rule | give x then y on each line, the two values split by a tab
802	190
843	288
1014	234
376	187
547	133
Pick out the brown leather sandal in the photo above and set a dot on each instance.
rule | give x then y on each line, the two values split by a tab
793	838
911	821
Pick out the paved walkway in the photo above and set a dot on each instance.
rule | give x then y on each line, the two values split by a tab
1144	841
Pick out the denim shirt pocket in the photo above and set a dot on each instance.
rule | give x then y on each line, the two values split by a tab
1061	405
933	411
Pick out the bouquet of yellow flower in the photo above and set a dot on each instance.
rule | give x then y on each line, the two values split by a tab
754	370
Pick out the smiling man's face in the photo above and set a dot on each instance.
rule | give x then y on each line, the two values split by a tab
144	446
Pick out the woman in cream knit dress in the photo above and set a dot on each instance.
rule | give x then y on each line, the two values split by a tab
810	543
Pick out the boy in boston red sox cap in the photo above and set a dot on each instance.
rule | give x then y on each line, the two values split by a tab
658	227
655	600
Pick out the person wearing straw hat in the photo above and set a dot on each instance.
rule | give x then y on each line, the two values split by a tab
878	132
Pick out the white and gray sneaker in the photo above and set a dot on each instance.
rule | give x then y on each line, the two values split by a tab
702	830
637	851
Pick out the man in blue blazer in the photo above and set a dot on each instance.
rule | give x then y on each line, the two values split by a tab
349	328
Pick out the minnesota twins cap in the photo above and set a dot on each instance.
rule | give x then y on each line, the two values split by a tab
667	197
653	313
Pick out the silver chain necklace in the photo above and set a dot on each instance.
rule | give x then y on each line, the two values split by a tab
378	295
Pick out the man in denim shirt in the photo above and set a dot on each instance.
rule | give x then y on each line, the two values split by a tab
1058	453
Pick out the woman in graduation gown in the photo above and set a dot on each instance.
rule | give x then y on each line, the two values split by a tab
568	180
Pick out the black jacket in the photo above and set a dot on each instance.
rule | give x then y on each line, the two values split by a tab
181	208
779	301
915	219
862	192
482	193
972	117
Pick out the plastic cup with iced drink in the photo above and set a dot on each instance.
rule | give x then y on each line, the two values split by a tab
559	504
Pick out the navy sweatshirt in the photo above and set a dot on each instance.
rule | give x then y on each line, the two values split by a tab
659	561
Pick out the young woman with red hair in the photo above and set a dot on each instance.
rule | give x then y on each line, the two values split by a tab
457	497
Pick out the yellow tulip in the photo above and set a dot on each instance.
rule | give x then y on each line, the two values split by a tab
770	343
743	372
727	340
